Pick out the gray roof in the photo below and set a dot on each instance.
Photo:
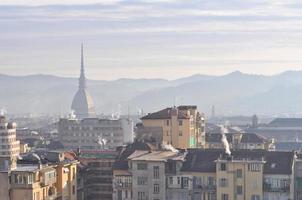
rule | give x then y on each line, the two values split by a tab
167	113
203	160
286	122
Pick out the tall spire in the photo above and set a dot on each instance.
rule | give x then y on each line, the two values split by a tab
82	79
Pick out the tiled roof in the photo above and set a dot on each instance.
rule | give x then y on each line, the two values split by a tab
252	138
216	137
152	156
166	114
246	137
277	162
122	163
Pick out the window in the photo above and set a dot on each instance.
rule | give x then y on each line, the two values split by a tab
141	166
255	167
171	180
156	189
185	182
73	189
142	180
126	193
156	172
224	197
141	196
180	122
255	197
223	166
211	181
178	180
223	182
239	190
239	173
180	133
168	122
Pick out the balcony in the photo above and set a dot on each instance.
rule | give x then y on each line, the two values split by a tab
269	188
123	185
204	187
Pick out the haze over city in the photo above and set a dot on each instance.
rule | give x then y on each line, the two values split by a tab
139	39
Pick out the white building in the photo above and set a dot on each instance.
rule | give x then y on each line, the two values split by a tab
9	146
95	133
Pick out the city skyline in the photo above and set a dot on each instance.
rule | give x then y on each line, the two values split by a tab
136	39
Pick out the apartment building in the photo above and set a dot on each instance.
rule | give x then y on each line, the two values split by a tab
211	174
44	175
97	174
95	133
9	146
182	127
122	178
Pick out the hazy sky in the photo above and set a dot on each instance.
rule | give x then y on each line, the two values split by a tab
150	38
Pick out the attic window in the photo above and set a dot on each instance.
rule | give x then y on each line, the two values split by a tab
273	165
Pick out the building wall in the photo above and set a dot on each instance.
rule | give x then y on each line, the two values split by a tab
150	182
181	133
278	187
249	181
67	181
4	188
122	185
172	130
86	133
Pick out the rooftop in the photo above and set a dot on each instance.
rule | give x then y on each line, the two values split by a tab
102	154
167	113
286	122
276	162
26	168
152	156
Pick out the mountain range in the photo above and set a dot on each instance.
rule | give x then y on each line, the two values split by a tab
235	93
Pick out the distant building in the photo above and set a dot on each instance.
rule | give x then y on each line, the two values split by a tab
9	151
182	127
95	133
239	141
9	146
254	121
281	129
98	174
82	103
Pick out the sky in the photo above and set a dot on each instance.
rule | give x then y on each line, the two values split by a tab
150	38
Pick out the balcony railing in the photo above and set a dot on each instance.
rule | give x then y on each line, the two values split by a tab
269	188
204	187
123	185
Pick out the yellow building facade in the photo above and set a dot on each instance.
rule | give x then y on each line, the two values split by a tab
182	126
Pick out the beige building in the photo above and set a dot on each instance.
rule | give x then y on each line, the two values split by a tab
239	178
44	176
210	174
182	127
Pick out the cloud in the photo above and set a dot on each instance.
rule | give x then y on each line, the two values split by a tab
150	33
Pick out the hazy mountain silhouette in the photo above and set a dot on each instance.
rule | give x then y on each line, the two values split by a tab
234	93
